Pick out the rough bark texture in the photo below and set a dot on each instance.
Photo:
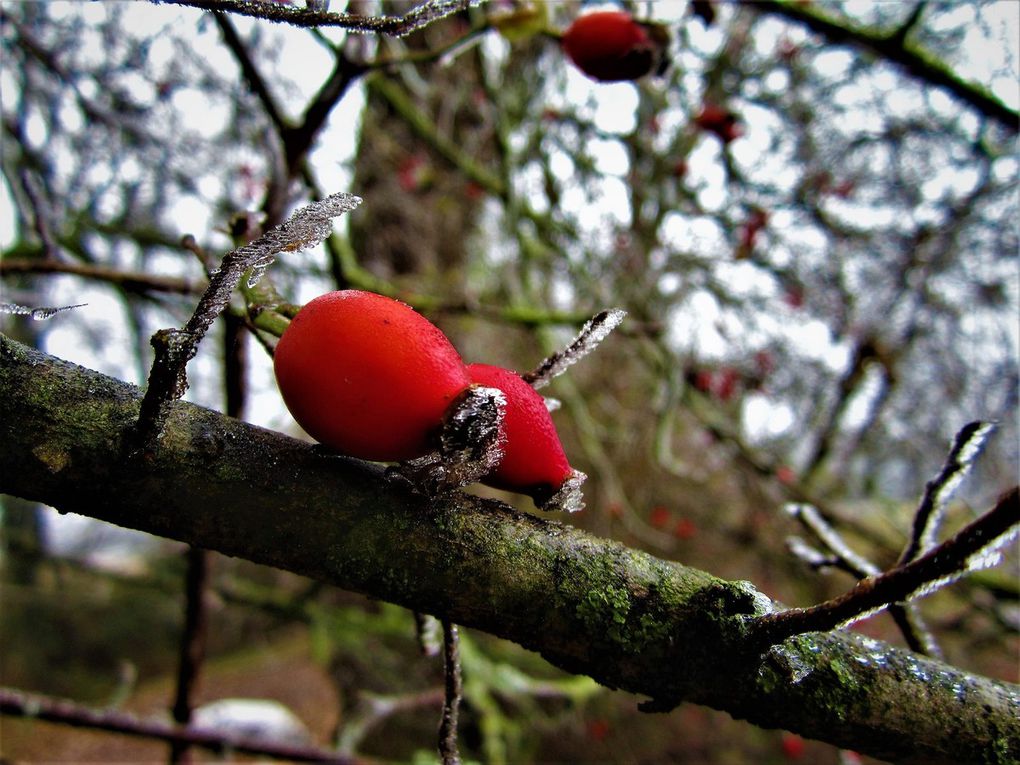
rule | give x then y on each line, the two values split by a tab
588	605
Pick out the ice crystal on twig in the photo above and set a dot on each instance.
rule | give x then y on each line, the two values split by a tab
38	314
568	498
592	333
974	547
174	348
966	448
811	519
312	16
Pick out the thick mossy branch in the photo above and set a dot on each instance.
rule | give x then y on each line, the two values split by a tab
588	605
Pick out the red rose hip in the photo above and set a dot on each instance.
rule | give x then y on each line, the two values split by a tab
533	459
367	375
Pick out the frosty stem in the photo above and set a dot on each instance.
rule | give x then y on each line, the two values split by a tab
939	566
174	348
592	333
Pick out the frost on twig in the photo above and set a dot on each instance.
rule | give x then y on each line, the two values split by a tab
975	547
38	314
313	16
567	499
174	348
839	555
966	448
592	333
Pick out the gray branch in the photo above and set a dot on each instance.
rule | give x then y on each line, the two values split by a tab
588	605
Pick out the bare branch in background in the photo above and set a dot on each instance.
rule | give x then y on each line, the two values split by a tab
18	704
892	47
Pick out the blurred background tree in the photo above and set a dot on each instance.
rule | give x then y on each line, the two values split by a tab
819	297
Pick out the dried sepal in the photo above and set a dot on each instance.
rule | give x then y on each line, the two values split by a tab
469	444
567	499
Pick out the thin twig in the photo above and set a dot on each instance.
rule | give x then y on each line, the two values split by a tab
592	333
965	551
193	642
840	555
448	750
176	347
130	281
965	449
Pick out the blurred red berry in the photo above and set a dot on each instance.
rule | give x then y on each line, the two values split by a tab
785	475
719	121
726	384
597	729
788	49
610	46
685	528
794	296
659	517
792	746
412	173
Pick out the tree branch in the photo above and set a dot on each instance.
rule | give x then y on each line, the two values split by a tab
588	605
916	62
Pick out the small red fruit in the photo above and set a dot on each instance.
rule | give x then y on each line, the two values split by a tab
368	375
659	517
611	46
685	529
533	459
720	121
792	746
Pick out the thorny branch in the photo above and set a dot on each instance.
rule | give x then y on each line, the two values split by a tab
18	704
176	347
972	548
398	26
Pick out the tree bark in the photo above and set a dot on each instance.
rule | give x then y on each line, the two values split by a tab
588	605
